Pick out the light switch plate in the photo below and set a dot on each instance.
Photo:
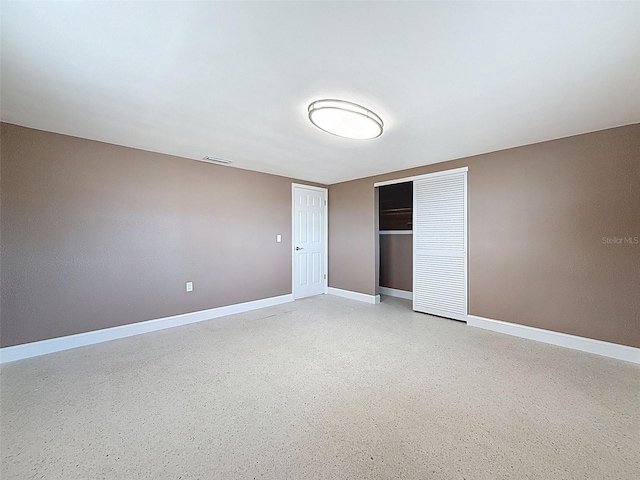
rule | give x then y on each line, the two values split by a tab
279	238
189	286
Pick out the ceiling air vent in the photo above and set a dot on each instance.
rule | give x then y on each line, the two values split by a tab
219	161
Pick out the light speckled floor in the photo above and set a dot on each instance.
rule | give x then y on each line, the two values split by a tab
323	388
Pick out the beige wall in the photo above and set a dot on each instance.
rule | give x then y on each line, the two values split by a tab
396	261
537	218
95	235
352	232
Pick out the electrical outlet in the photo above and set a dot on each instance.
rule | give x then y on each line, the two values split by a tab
189	286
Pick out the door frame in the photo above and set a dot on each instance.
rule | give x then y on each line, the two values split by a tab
325	239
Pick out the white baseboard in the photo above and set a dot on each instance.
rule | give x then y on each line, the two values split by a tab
34	349
598	347
394	292
361	297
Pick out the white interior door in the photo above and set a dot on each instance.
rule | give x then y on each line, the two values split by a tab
440	244
309	241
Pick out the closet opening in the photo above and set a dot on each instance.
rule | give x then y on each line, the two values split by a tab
422	242
395	221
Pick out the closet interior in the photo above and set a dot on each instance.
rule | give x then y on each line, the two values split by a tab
396	240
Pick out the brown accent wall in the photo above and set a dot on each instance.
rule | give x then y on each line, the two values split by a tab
539	217
396	262
96	235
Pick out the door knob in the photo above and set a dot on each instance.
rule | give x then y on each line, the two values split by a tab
299	248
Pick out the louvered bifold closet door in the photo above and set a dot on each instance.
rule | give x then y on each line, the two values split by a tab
440	244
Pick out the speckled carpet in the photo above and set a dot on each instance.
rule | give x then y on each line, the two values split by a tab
322	388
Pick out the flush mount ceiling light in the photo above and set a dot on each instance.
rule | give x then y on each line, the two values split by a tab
345	119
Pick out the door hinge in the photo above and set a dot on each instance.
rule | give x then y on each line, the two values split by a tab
325	276
325	202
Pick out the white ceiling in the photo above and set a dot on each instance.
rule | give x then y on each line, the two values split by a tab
234	80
